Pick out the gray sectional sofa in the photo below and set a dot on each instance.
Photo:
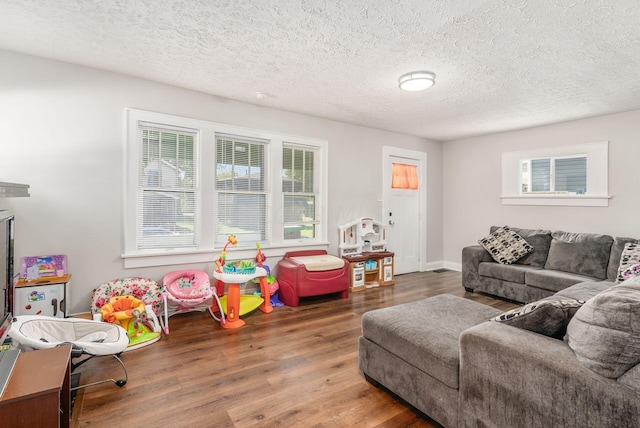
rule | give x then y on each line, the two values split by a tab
465	364
559	259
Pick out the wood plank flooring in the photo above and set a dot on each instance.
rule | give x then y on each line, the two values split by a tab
293	367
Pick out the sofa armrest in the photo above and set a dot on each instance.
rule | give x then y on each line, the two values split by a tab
472	256
514	377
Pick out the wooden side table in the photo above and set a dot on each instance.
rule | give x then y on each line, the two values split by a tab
38	393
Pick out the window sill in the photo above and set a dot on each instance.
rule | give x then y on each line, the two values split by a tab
557	200
166	258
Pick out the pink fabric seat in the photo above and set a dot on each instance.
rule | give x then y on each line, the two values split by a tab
296	280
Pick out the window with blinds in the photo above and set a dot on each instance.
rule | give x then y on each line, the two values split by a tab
167	188
555	175
299	191
241	191
191	183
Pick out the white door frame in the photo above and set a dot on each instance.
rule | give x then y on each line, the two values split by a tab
421	157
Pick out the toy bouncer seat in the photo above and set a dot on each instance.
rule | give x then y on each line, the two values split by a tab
130	313
187	291
88	338
132	303
311	273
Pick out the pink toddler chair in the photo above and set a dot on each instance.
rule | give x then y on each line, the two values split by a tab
187	291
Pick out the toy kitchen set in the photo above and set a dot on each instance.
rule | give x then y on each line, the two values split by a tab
43	286
363	246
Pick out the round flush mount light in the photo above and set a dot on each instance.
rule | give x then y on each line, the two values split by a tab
417	80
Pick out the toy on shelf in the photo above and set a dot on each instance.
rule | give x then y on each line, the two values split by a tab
34	267
362	235
130	314
233	274
187	291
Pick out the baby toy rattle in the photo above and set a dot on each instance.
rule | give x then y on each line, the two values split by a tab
223	256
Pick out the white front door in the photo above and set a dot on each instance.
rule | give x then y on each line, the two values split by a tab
404	211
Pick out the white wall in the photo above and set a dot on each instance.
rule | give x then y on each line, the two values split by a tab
62	133
472	182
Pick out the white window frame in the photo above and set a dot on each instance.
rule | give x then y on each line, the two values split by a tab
597	193
315	193
205	250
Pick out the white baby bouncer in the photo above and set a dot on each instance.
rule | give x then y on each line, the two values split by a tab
88	338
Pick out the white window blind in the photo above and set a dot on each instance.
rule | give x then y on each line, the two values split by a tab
571	175
241	190
555	175
299	188
167	188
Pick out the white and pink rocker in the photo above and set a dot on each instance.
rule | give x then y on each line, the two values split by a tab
187	291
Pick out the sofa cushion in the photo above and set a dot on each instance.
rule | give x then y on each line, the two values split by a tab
605	332
581	291
425	333
505	245
616	253
630	256
553	280
631	379
539	239
581	253
512	273
548	317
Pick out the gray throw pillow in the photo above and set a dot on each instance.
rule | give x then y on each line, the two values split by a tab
505	245
581	253
548	317
605	333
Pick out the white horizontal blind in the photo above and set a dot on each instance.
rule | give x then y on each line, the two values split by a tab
241	190
299	188
566	174
167	187
541	175
571	175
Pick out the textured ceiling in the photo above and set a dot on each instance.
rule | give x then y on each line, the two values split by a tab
500	64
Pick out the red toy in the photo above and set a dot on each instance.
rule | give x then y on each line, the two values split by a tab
300	275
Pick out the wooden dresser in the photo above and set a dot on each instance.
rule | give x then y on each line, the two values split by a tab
38	392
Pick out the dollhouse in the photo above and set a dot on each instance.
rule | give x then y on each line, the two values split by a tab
363	245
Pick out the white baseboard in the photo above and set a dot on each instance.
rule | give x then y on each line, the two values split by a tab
442	265
453	266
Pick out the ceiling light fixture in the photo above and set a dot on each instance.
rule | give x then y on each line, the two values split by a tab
417	80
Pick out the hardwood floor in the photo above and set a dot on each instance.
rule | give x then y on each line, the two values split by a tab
293	367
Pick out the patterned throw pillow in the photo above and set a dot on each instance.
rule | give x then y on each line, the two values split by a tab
630	256
631	271
505	245
548	317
